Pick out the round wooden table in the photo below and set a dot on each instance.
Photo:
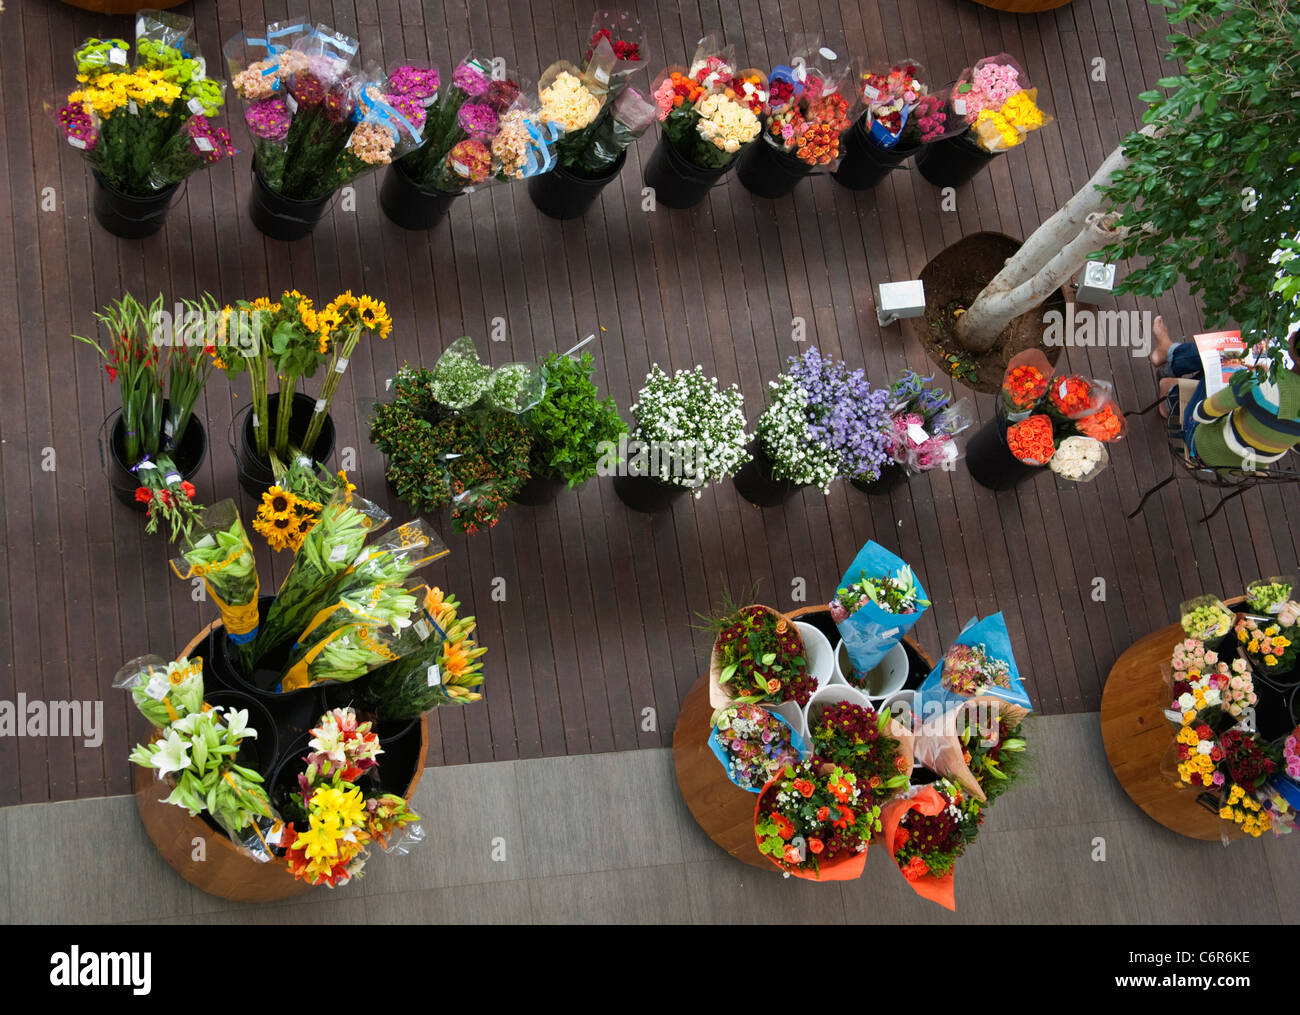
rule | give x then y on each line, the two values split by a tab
207	859
724	810
1137	736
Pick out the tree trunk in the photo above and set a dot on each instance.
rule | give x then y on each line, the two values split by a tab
1052	254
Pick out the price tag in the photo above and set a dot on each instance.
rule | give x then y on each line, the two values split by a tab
320	405
388	384
602	75
146	465
338	553
461	169
291	103
203	144
117	55
916	433
254	421
434	675
870	92
276	833
172	477
168	429
132	108
828	53
421	629
341	365
157	687
76	142
959	106
195	106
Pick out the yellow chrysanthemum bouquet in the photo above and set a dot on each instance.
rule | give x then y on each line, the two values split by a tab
145	126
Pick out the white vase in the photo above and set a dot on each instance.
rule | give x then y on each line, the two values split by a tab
887	677
831	694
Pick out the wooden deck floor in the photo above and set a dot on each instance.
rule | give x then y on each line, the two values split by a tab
592	648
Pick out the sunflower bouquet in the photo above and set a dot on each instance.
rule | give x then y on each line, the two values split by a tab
145	127
290	508
222	556
442	671
327	551
341	323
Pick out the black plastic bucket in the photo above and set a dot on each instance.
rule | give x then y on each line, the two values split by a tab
563	194
645	493
283	218
866	162
990	460
187	457
767	171
891	477
952	161
131	218
755	482
259	753
677	182
255	474
409	205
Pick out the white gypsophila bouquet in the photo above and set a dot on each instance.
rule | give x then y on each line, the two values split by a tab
783	431
694	431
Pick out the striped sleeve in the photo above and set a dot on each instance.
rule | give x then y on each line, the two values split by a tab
1217	405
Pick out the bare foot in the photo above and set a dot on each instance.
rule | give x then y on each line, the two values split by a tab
1163	342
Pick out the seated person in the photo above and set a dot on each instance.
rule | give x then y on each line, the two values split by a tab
1250	423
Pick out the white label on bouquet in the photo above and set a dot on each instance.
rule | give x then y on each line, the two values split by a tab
362	557
338	553
434	675
168	430
916	432
421	629
461	169
959	106
320	405
291	103
276	833
132	108
172	477
146	465
341	365
870	92
157	687
117	55
602	75
203	144
195	106
388	384
254	421
76	142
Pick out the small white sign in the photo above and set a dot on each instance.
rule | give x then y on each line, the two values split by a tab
461	169
203	144
434	675
195	106
254	421
959	106
132	108
338	553
320	405
421	629
916	433
76	142
291	103
168	429
117	55
276	833
828	53
146	465
602	75
341	365
870	92
157	687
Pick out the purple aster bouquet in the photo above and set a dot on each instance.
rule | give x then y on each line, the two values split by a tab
195	146
824	422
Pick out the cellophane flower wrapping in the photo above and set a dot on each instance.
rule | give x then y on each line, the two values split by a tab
751	740
811	101
871	631
163	691
979	662
144	126
995	100
327	551
220	553
622	32
889	93
623	121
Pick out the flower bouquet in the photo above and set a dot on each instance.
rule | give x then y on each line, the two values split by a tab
1024	384
1268	595
336	816
163	691
220	553
808	103
872	745
926	832
979	663
293	504
999	106
754	745
156	444
1205	618
889	96
1272	644
814	821
879	600
622	31
444	670
573	99
923	424
993	746
143	128
1205	688
822	422
690	432
758	656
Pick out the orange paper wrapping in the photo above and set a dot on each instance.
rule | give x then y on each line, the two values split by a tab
929	802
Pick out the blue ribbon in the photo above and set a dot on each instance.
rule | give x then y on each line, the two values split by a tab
386	116
240	639
541	157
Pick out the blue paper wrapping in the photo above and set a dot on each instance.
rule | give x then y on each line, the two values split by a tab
871	632
720	752
882	136
991	632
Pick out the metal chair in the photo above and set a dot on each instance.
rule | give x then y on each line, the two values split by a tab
1236	479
